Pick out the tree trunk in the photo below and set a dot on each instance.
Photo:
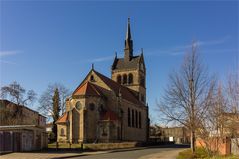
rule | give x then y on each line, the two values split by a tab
193	140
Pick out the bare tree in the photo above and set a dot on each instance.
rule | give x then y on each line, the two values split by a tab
232	117
187	95
17	94
46	99
14	92
232	90
211	128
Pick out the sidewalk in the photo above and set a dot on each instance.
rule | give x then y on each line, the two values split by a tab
48	155
166	154
59	154
172	154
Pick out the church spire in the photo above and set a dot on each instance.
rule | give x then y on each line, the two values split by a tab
128	33
128	50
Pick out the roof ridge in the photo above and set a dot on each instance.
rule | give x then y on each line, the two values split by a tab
119	85
65	113
87	88
113	81
80	86
93	87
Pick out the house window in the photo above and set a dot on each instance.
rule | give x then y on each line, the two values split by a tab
132	118
124	79
136	119
130	80
62	132
119	79
129	120
140	120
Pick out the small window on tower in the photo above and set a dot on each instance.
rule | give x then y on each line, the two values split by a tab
119	79
130	78
125	79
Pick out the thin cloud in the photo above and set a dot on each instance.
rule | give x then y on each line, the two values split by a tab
8	53
213	42
7	62
179	50
101	59
215	51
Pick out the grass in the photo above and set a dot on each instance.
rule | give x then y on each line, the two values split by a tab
90	146
202	153
65	146
187	154
110	146
224	157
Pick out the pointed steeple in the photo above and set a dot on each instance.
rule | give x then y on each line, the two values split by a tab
128	50
128	33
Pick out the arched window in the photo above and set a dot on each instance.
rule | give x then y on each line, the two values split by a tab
124	79
119	79
130	78
136	119
101	109
129	120
132	118
139	119
92	106
92	79
62	132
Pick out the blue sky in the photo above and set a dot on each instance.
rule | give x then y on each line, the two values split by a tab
45	42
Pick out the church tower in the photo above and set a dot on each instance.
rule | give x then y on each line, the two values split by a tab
130	70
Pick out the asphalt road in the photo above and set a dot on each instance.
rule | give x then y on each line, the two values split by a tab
157	152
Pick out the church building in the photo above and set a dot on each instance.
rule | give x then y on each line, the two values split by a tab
103	109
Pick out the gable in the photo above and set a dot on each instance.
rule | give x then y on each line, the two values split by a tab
87	89
84	87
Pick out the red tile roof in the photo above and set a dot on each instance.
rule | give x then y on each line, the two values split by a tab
87	89
116	87
63	118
